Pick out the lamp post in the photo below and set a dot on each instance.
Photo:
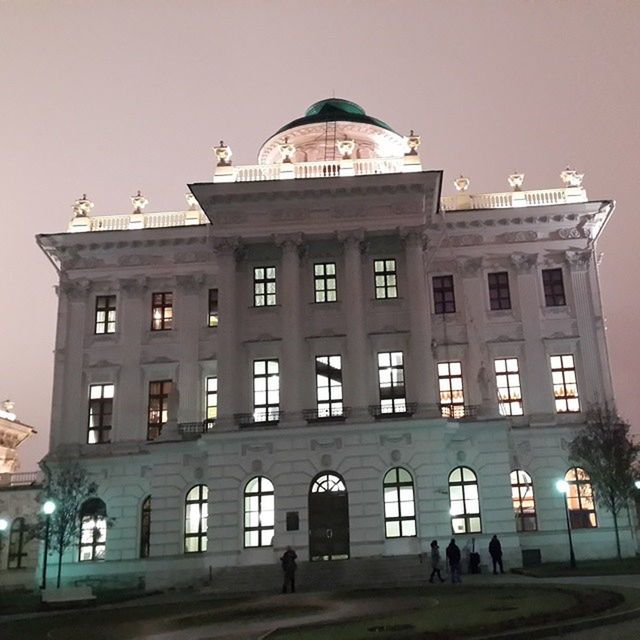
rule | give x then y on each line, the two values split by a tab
563	487
47	508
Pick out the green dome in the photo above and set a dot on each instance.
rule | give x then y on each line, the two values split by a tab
334	110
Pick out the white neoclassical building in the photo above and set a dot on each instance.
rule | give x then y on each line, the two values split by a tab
323	352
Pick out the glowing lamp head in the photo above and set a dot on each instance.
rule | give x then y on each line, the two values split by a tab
562	486
4	524
48	507
636	484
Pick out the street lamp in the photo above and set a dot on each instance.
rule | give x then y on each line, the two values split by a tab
47	508
563	487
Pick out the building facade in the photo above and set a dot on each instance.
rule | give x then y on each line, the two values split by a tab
323	352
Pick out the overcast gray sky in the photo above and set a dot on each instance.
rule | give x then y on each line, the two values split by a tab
110	96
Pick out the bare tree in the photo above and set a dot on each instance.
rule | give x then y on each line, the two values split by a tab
605	449
68	485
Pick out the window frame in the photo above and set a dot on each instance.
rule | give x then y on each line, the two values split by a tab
145	527
211	399
106	305
325	285
510	402
555	294
162	311
521	485
385	278
93	518
442	285
267	411
155	426
201	491
212	313
393	487
265	297
16	543
564	380
392	393
102	407
466	515
265	528
499	291
578	495
333	405
450	408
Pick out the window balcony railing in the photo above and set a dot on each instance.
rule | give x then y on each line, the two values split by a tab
260	418
326	415
458	411
382	412
190	428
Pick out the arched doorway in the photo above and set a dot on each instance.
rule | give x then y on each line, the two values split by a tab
328	518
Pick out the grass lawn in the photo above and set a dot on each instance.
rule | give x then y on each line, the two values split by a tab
614	567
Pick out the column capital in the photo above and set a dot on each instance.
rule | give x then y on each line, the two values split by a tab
133	286
524	262
190	283
467	267
414	236
353	240
75	289
578	260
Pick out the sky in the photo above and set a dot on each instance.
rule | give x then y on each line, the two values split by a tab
106	97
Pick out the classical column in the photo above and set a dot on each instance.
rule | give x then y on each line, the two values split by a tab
292	366
580	263
357	367
229	390
420	366
535	375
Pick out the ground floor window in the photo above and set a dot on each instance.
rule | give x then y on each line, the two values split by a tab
464	501
399	504
580	500
259	512
196	517
93	530
524	506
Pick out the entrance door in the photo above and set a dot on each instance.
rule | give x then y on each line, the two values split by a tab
328	518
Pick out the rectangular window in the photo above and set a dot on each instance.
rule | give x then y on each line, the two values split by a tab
499	296
161	311
329	386
158	414
444	300
324	282
385	278
212	398
105	314
565	385
213	308
266	391
508	383
451	389
100	413
264	286
391	382
553	288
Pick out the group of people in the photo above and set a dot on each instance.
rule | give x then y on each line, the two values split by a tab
454	558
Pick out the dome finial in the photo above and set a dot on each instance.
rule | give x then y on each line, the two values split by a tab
223	153
139	202
82	207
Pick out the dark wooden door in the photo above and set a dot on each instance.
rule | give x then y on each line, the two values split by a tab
328	525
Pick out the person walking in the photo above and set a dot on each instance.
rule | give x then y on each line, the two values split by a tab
289	566
495	551
435	561
453	558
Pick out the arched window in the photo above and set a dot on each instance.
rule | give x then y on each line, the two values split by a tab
464	501
145	527
580	502
196	514
93	530
328	482
16	544
259	512
524	506
399	504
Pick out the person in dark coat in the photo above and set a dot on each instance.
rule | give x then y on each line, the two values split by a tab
435	561
495	550
453	558
289	567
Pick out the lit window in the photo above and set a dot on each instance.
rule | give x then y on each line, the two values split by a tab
161	311
212	398
105	314
100	413
580	500
328	482
464	501
213	308
259	513
565	386
444	300
509	390
266	391
195	519
399	504
385	278
499	296
17	540
451	389
158	413
553	288
324	282
524	506
145	527
391	382
264	286
329	386
93	530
